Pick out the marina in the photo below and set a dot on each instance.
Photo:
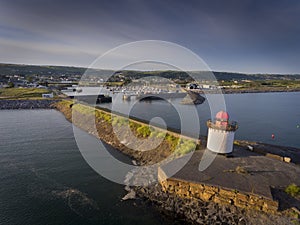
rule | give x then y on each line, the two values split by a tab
104	94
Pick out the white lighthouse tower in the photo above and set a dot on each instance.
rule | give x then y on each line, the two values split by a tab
221	133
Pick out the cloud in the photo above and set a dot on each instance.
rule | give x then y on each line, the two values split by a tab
231	35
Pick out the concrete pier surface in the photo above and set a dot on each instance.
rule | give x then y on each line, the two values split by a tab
245	175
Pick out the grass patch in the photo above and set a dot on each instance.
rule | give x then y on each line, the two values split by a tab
177	145
185	146
22	93
173	141
66	103
103	116
144	131
157	134
119	121
180	146
83	109
293	190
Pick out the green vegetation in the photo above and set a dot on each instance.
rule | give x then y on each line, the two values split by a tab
83	109
31	70
102	115
123	76
173	141
178	145
235	142
293	190
22	93
296	216
157	134
11	84
118	121
67	103
144	131
134	126
185	146
261	84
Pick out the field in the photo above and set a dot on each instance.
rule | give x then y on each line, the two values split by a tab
22	93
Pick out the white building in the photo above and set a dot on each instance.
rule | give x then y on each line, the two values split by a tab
221	133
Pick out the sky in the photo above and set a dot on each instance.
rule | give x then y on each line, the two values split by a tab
233	35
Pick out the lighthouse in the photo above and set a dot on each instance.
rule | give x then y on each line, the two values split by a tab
221	133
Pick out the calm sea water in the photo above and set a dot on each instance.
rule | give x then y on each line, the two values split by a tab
45	180
259	115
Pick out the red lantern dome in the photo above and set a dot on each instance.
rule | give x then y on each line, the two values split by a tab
223	116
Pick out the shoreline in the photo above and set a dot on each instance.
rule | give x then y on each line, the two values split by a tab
246	91
185	209
195	210
27	104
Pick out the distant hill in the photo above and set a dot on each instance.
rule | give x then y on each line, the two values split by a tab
26	70
219	75
55	71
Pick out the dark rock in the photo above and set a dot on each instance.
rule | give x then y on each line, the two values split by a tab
27	104
193	98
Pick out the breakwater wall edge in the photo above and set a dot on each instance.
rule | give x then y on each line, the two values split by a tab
185	188
182	188
104	124
219	195
27	104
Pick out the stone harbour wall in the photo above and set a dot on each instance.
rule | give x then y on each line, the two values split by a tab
27	104
220	195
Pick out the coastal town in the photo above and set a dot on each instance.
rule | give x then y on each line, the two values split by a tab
220	185
149	112
58	79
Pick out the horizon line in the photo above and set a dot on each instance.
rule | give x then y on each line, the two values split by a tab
82	67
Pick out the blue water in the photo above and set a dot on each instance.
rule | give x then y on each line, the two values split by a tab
45	180
264	114
259	115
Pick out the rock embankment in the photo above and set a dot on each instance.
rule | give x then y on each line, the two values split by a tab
192	98
186	209
27	104
196	211
189	210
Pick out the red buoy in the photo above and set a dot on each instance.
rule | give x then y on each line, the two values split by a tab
273	136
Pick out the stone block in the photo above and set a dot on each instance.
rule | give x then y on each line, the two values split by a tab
242	197
227	193
196	187
273	156
287	159
211	189
206	196
270	206
240	203
222	200
253	200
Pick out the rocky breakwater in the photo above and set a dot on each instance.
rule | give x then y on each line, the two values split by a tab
27	104
192	98
105	125
186	208
183	210
191	210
